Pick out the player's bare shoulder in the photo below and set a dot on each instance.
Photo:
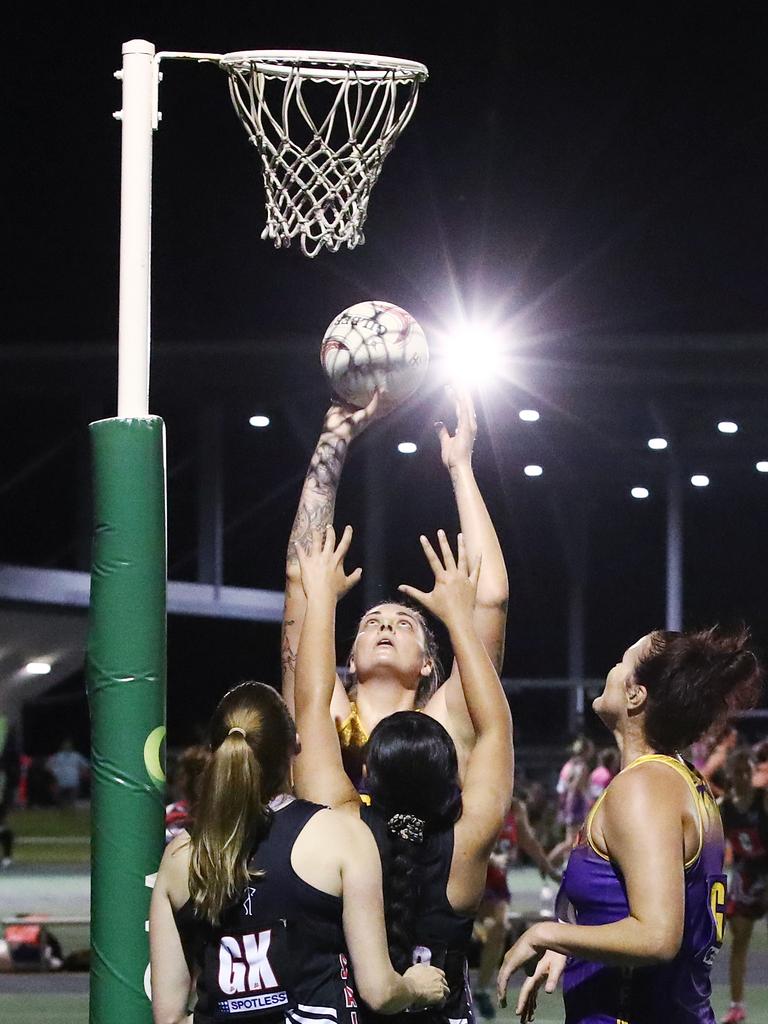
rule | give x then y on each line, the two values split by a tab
173	873
644	789
327	831
177	853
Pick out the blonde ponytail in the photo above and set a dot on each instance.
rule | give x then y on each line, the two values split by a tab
246	767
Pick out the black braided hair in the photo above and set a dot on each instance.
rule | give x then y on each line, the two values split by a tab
412	770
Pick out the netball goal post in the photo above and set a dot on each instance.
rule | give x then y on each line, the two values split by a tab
322	124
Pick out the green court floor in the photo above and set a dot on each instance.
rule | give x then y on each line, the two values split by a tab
72	1008
33	999
66	1008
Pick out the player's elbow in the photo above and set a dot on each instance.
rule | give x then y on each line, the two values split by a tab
377	1002
379	995
169	1013
495	598
668	947
661	944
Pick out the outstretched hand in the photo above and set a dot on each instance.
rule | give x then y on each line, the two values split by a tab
548	972
456	448
453	597
322	567
347	421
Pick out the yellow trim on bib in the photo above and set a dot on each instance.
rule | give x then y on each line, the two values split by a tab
588	826
683	770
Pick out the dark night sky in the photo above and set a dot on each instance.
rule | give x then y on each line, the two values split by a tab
591	177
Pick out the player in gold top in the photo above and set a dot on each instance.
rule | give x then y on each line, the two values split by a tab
393	664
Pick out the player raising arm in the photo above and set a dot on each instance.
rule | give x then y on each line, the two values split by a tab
383	680
434	838
261	903
645	887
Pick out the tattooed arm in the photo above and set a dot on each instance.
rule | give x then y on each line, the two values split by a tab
316	507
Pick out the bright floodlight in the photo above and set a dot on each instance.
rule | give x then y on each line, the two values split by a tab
761	467
727	427
37	668
528	415
639	492
699	480
533	470
407	447
474	352
657	443
259	421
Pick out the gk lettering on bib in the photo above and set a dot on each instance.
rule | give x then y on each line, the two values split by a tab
244	965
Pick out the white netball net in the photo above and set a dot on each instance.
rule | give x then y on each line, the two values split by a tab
323	125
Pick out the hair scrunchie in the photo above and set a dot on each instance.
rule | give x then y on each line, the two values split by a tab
407	826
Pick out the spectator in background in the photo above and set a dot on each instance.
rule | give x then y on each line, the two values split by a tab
69	768
573	795
710	754
9	780
582	750
542	813
180	812
608	764
574	807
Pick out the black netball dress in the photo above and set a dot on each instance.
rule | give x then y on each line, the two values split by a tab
442	935
278	951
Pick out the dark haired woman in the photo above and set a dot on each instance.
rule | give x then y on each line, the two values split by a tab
645	885
406	674
262	901
434	839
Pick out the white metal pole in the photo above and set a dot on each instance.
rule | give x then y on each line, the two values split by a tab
139	118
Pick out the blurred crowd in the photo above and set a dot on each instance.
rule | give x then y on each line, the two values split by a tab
57	779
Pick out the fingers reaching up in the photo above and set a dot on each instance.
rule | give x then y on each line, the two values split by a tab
453	595
457	448
322	567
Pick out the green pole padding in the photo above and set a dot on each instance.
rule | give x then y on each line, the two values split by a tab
126	691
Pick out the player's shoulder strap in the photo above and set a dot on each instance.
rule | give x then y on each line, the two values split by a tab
696	783
288	818
694	779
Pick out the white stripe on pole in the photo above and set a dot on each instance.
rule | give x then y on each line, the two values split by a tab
138	117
